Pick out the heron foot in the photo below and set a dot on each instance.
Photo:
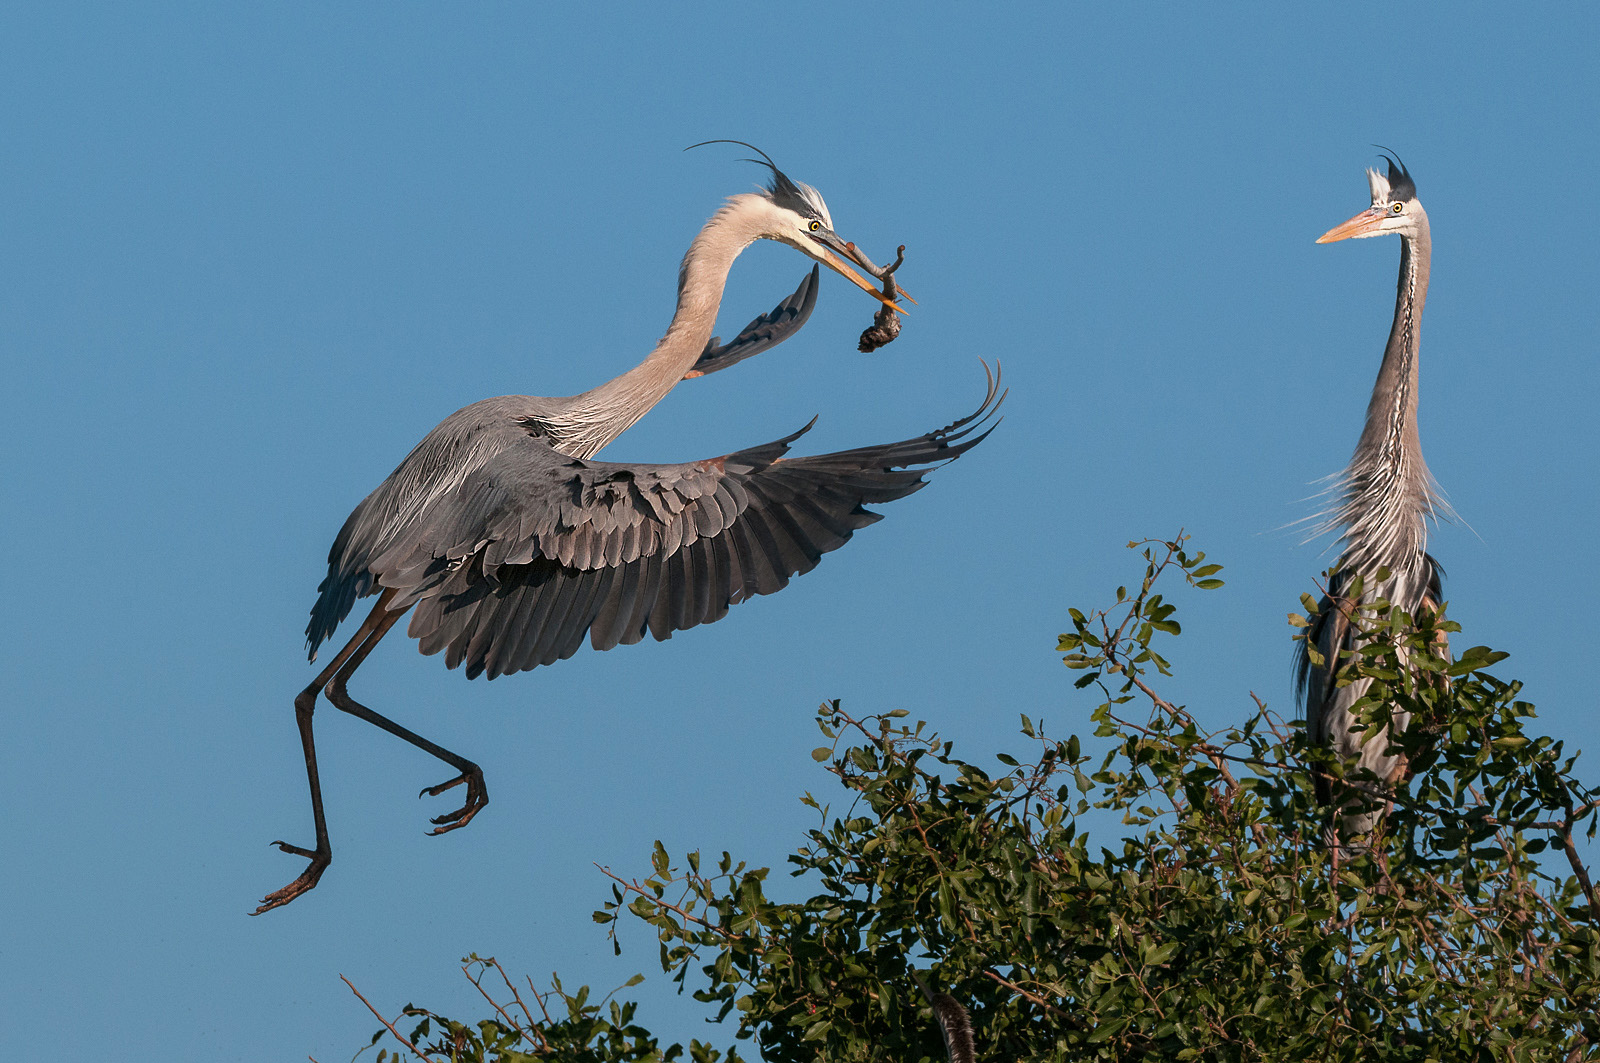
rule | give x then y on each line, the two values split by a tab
477	797
320	859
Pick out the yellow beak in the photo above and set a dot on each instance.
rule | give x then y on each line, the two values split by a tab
1361	225
834	263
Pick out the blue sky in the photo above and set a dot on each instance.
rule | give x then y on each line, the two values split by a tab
248	258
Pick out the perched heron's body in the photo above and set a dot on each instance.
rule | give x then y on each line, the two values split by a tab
510	545
1386	500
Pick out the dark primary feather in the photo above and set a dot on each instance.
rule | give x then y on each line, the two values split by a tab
519	552
765	331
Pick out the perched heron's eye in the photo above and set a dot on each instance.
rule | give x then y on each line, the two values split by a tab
816	226
1398	207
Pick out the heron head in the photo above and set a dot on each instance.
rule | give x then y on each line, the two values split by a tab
796	215
1394	207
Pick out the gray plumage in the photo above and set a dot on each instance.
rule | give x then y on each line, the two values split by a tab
512	551
1385	500
509	544
955	1024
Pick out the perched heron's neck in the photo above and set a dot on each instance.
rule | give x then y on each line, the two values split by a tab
1389	495
1392	413
599	415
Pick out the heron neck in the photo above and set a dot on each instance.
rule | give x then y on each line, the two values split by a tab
1391	427
1388	492
597	416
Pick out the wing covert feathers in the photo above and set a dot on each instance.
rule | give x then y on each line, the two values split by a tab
530	551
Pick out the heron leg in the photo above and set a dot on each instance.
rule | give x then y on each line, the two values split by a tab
305	704
471	774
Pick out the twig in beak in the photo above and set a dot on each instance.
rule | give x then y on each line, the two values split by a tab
877	271
885	323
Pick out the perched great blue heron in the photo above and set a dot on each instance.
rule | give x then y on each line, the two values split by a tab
1386	499
508	544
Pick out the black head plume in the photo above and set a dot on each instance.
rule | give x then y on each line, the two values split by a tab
1401	186
784	192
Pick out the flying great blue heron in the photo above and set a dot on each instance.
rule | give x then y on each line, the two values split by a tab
508	544
1385	500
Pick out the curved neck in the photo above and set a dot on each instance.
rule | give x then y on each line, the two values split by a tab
1388	494
594	418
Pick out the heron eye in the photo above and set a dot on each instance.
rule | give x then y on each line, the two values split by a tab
815	226
1398	207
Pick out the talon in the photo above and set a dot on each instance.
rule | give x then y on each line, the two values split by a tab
307	880
457	819
435	791
477	797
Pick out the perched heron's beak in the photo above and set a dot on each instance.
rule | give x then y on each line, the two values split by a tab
829	240
1364	224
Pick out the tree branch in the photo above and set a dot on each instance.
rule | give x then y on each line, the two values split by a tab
398	1036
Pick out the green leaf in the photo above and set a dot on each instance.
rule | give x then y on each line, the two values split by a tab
1161	954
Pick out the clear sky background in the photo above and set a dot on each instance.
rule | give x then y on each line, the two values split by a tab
249	257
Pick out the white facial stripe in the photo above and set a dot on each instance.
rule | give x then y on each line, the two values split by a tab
813	200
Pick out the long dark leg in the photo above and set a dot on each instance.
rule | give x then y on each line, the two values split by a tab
305	703
471	774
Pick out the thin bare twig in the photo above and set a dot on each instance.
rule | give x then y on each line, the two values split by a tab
1030	997
681	912
518	996
398	1036
532	1027
1217	758
1575	861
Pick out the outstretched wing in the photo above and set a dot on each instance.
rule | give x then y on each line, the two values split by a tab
768	330
535	550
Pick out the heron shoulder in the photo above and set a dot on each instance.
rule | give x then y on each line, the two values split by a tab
456	448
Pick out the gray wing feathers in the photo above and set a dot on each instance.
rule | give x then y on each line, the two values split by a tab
430	469
337	593
534	550
434	466
764	332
